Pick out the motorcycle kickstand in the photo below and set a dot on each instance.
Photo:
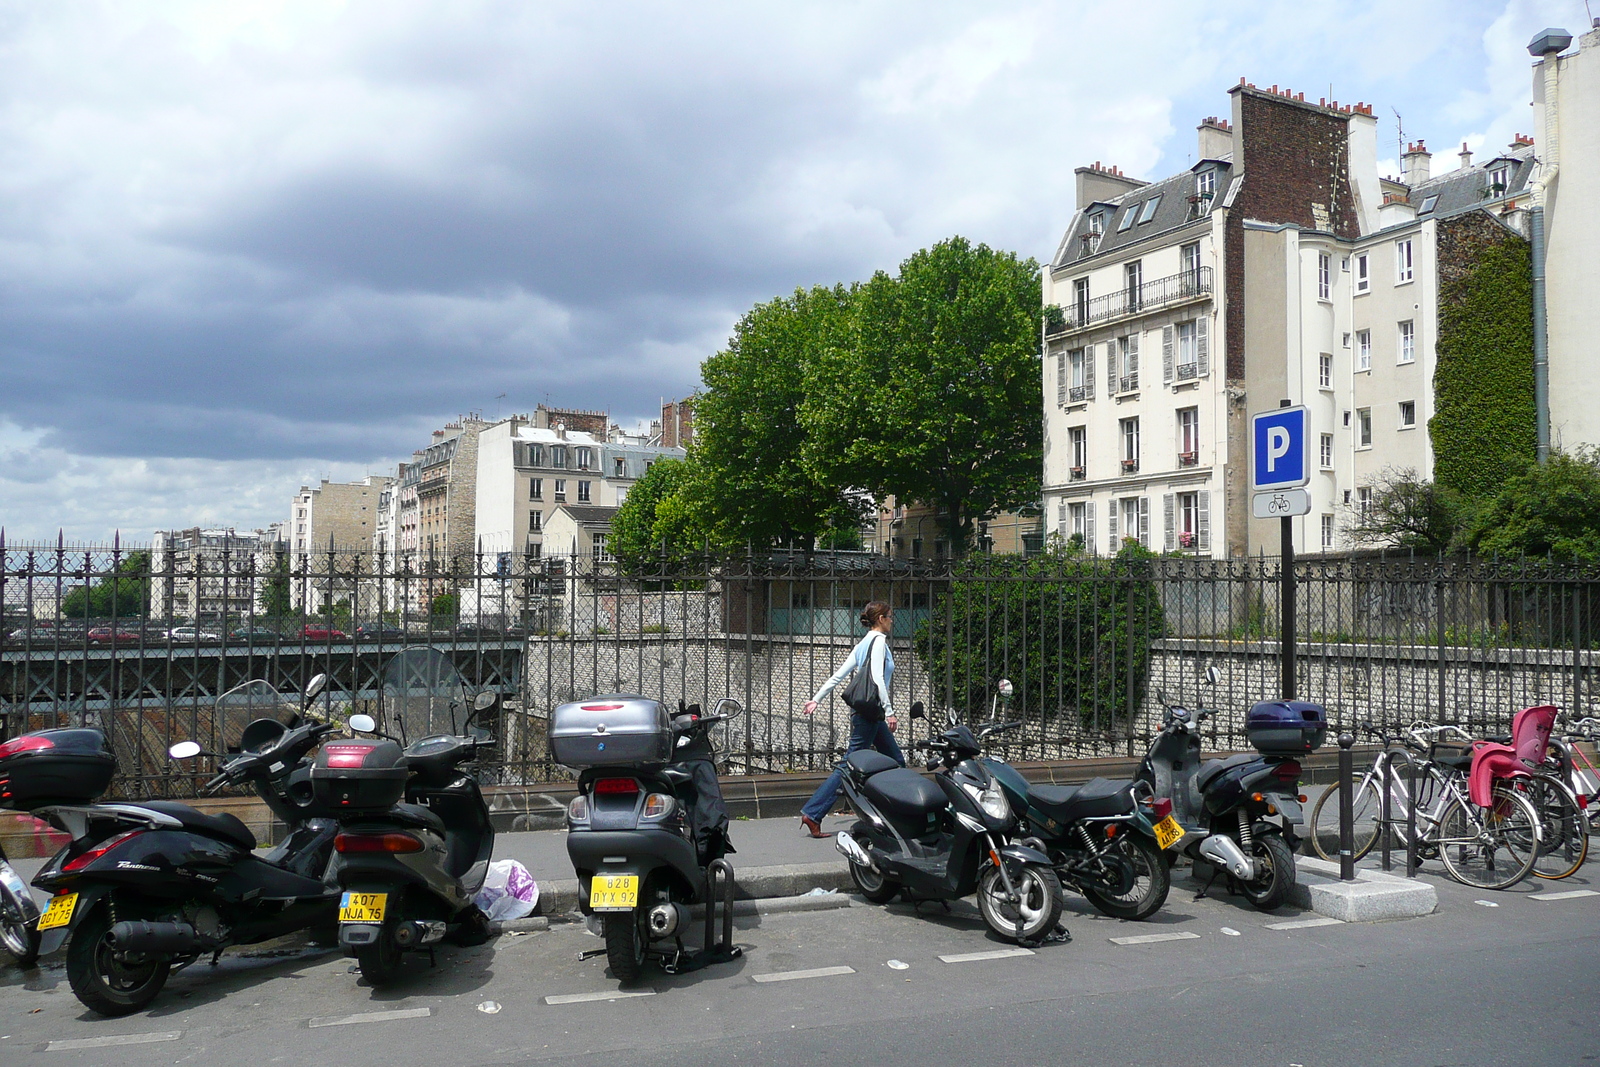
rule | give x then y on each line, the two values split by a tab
590	953
216	957
1207	887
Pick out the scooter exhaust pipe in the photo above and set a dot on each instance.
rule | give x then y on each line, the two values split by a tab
667	919
175	939
853	851
1221	850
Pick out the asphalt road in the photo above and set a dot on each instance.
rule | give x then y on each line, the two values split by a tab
1468	985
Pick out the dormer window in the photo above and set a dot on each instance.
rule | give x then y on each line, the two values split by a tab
1205	184
1097	223
1499	179
1149	211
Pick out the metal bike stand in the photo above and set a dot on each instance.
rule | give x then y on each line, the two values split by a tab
715	951
1387	819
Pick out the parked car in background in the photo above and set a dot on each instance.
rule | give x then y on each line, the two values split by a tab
317	631
190	635
379	632
257	635
112	635
39	635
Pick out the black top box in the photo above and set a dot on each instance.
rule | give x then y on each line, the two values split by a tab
364	775
54	767
1286	727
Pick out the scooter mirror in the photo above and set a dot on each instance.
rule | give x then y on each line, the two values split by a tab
484	700
184	750
315	686
363	724
1213	676
918	711
1003	689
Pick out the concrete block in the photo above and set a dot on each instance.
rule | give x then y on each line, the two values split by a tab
1373	901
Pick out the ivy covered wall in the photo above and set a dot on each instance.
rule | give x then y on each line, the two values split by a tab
1483	427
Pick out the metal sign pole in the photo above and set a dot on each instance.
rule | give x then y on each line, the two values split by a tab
1286	606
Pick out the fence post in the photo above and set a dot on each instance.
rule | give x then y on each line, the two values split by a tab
1411	821
1347	830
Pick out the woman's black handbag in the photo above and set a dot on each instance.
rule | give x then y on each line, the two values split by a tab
862	693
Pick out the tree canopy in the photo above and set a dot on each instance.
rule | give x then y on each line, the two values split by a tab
1408	512
122	594
657	523
1550	509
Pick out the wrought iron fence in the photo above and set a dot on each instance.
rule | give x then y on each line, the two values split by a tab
1092	645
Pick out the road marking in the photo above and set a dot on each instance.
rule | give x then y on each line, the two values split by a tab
996	954
1570	894
585	998
371	1017
1230	931
106	1042
1150	939
815	972
1486	903
1305	924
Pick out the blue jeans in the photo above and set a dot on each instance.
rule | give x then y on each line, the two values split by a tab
863	734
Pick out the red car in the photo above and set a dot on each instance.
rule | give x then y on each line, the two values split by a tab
107	635
313	631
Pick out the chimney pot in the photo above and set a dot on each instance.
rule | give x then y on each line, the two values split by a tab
1466	155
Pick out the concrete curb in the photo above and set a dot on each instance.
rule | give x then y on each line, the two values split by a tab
791	880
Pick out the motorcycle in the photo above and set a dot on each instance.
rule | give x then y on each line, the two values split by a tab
1238	814
1097	835
648	831
415	837
948	837
146	888
19	914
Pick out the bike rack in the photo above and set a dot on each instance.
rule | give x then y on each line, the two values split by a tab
720	870
1386	818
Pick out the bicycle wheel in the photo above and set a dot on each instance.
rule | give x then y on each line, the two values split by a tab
1493	847
1366	808
1564	835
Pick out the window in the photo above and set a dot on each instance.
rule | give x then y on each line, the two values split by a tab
536	455
1135	519
558	456
1188	366
1363	350
561	489
535	521
1325	370
619	468
1078	521
1149	211
1324	276
1128	216
585	458
1130	444
1188	437
1205	183
1364	503
1080	300
1077	375
1408	414
1125	369
1402	264
1327	533
1133	274
1189	259
1363	274
535	550
1097	222
1408	342
1363	427
600	553
583	492
1188	520
1326	453
1499	179
1428	204
535	488
1078	440
622	495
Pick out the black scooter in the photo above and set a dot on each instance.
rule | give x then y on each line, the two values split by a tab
947	837
151	886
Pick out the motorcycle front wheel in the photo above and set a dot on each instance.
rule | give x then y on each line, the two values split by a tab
625	943
1151	881
1034	914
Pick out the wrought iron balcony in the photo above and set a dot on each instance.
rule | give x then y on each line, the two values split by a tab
1151	296
1077	393
1188	371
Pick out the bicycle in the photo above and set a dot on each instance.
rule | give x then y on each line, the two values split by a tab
1556	791
1491	847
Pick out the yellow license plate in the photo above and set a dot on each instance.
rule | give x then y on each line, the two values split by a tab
362	907
1168	832
614	892
59	913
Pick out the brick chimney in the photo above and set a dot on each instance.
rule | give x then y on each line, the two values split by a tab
1415	165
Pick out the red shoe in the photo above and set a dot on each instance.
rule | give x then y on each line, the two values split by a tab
812	827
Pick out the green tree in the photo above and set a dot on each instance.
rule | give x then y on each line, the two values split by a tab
1550	509
122	594
937	395
656	524
753	484
275	599
445	605
1072	632
1408	512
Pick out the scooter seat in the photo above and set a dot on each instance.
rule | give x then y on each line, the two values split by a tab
868	761
1211	768
1097	798
222	826
418	815
902	791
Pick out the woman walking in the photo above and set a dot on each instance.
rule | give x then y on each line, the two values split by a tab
868	729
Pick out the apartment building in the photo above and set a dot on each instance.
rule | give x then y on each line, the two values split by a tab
217	573
331	525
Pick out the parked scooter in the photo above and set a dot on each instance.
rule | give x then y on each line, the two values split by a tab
948	837
648	832
19	914
415	836
148	887
1241	815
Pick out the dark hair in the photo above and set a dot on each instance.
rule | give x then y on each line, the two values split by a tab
873	612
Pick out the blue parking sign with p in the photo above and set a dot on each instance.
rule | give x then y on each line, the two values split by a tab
1279	454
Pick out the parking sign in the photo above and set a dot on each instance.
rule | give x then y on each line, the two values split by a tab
1279	455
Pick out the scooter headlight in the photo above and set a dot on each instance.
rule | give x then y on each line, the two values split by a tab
578	810
991	799
658	806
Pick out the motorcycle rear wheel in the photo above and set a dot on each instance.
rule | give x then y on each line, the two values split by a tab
1270	889
101	981
624	945
1039	909
1151	882
874	886
19	931
380	961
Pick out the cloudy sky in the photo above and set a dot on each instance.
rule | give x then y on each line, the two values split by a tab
249	244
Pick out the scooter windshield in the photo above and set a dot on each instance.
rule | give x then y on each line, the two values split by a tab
243	705
422	694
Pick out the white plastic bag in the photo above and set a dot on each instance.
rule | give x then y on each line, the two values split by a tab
509	892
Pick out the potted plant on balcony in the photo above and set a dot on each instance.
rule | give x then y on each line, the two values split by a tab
1129	466
1055	320
1077	474
1186	540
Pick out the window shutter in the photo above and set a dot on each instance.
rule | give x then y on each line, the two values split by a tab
1088	526
1144	521
1061	377
1133	355
1202	345
1111	526
1088	370
1166	354
1061	518
1166	509
1111	368
1202	510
